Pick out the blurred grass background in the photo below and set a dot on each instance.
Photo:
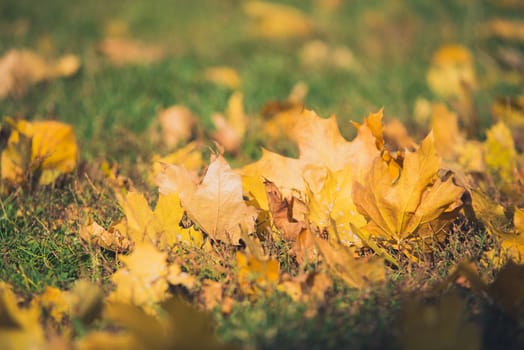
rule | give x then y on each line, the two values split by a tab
392	41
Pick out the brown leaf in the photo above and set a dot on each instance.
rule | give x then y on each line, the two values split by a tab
19	69
282	212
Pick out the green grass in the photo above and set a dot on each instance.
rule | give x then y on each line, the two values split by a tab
111	109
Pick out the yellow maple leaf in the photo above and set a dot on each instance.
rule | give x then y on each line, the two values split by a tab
320	143
356	273
332	208
48	147
499	153
282	171
161	226
277	21
223	75
452	69
396	208
216	205
231	127
143	280
20	327
256	274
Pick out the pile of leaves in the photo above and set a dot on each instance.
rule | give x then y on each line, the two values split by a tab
201	229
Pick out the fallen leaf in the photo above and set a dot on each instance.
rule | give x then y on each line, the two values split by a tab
231	128
320	143
500	154
284	213
277	21
19	327
255	274
189	156
211	294
122	51
505	29
396	208
452	69
216	204
19	69
223	75
45	148
356	273
176	124
112	240
331	208
161	226
284	172
138	283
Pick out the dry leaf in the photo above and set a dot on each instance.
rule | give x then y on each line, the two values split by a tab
331	208
139	283
356	273
121	51
113	240
223	75
19	69
176	124
277	21
19	327
216	204
320	143
284	172
47	148
231	128
396	208
256	274
505	29
189	156
452	70
161	226
500	154
284	213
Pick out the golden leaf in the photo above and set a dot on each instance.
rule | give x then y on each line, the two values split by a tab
140	283
277	21
161	226
19	327
216	204
48	147
332	209
282	171
256	274
396	208
500	154
231	128
223	75
356	273
452	69
320	143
